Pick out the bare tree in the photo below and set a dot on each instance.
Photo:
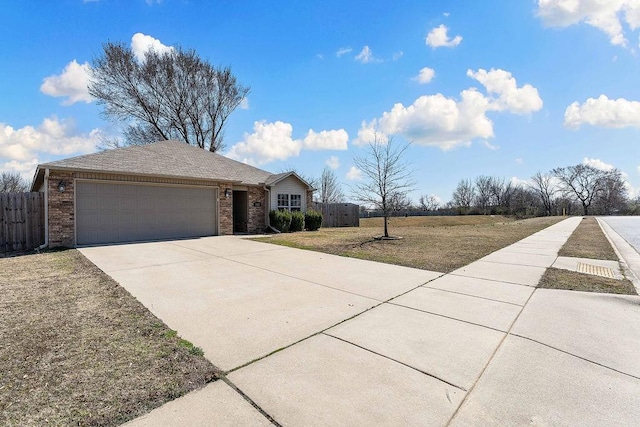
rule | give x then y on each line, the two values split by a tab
464	196
330	191
545	188
12	182
584	182
613	195
428	202
170	95
484	194
387	176
400	202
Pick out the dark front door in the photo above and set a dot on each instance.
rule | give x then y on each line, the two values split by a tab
240	212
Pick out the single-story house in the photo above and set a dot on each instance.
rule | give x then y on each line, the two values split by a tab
164	190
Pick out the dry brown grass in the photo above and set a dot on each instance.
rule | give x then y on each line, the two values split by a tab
431	243
555	278
588	241
77	349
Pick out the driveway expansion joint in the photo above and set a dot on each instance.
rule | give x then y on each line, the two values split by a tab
397	361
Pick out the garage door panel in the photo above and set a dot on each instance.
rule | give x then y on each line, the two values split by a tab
107	212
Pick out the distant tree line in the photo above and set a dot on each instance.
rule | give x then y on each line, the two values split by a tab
572	190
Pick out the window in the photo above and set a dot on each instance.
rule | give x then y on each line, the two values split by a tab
296	202
283	202
291	202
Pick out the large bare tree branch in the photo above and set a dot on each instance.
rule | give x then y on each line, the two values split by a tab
171	95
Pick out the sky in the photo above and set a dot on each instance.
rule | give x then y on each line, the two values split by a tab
502	88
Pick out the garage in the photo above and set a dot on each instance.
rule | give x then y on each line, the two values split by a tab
108	212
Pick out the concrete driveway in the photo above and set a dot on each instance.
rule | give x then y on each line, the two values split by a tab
363	343
240	300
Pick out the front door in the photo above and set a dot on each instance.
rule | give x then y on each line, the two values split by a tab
240	212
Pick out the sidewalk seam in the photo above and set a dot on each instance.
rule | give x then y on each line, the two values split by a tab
576	356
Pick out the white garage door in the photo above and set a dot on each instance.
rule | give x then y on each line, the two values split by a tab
109	213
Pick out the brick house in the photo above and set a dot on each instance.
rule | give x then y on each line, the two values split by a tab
164	190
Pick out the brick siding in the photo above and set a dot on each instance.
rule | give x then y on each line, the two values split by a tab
256	220
61	210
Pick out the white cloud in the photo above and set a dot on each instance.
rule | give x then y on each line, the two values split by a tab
397	55
438	37
326	140
490	146
606	15
598	164
333	162
638	170
244	104
369	132
21	148
605	112
274	141
354	174
516	100
515	181
425	75
71	83
140	43
519	160
343	51
436	120
268	142
366	56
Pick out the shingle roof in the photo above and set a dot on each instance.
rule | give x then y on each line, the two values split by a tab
165	158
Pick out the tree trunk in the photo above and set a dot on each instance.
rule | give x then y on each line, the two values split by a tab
386	230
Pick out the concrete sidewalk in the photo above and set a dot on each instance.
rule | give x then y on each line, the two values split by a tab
478	346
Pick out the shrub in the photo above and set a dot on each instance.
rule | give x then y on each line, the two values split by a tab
313	220
297	221
280	220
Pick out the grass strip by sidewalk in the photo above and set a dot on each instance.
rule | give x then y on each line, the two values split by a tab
440	244
78	349
587	241
555	278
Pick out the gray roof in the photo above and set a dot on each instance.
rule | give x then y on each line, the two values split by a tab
167	159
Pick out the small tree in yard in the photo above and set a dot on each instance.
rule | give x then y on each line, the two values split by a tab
386	176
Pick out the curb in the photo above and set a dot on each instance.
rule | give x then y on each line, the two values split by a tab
625	252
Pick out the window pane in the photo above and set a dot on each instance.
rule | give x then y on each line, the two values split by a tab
296	200
283	200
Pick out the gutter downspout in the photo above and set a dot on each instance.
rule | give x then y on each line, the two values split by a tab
267	211
46	210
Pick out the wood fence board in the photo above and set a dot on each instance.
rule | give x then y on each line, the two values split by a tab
21	221
339	214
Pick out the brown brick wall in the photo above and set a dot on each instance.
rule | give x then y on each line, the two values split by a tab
61	210
226	211
256	222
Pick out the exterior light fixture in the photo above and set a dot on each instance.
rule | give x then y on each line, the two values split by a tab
227	193
61	186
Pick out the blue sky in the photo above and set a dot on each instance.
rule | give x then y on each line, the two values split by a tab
504	88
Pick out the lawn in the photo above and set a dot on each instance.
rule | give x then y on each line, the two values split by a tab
77	349
587	241
433	243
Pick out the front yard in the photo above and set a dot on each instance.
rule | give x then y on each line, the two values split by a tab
436	243
77	349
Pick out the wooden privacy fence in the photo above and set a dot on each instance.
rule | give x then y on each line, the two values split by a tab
21	221
339	214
